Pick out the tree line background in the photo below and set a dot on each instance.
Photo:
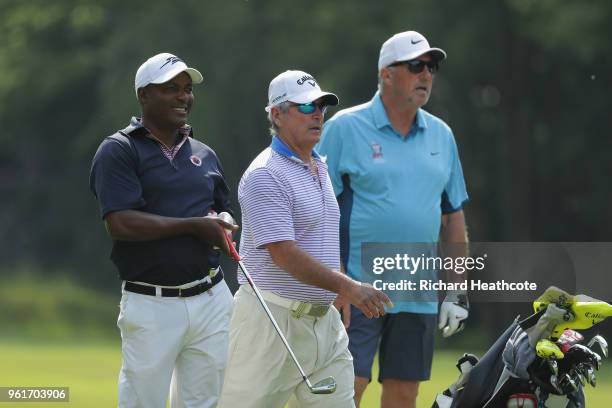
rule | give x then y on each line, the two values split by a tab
525	88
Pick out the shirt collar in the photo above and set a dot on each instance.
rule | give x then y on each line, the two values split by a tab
381	119
281	148
136	126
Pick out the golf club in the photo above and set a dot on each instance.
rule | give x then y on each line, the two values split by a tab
601	342
326	385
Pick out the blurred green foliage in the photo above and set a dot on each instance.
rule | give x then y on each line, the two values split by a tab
35	308
525	89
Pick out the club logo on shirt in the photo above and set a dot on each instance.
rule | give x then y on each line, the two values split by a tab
196	160
376	151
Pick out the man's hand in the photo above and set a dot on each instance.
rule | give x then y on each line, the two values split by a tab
453	313
302	266
212	229
370	301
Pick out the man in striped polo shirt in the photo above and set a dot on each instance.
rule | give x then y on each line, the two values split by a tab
290	244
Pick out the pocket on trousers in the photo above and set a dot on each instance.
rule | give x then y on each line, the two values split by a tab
135	313
340	344
228	302
122	307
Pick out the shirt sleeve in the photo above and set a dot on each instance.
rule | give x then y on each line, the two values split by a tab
266	208
222	191
455	193
113	178
330	147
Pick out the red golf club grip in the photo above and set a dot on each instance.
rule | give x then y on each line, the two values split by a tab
235	254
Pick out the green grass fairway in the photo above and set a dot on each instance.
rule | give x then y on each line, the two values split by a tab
90	370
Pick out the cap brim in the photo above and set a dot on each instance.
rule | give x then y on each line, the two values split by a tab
196	76
193	73
328	98
436	53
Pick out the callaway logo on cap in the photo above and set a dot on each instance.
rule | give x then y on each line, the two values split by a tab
405	47
297	87
162	68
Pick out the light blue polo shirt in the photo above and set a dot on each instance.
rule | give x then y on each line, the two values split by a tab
390	189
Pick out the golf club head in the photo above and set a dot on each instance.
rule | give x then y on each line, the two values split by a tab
555	382
580	377
597	361
583	370
554	367
325	386
571	383
548	350
591	377
601	342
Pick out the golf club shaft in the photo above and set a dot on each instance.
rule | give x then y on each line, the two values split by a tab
259	297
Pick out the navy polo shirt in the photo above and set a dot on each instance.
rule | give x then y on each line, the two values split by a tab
130	171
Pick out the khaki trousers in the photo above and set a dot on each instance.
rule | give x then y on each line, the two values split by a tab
260	372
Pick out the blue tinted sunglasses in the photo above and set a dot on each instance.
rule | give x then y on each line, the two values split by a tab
310	108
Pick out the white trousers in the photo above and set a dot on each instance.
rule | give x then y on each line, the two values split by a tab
177	343
260	372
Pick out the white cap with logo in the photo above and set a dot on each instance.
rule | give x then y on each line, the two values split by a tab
405	47
161	68
297	87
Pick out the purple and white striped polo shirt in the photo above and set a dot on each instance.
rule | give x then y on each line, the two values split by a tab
281	200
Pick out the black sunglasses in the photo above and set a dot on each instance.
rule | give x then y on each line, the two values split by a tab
417	66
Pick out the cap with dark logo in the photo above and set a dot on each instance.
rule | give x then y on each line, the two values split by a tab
297	87
405	47
161	68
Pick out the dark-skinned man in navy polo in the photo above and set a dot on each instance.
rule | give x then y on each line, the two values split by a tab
159	191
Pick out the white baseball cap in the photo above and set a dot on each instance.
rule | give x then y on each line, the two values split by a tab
297	87
161	68
406	46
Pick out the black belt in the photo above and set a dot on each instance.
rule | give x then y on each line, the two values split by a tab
175	292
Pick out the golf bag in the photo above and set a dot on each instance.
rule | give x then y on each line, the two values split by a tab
534	359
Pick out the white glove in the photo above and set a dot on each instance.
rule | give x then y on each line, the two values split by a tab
453	313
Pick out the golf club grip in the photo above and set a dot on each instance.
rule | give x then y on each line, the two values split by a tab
232	248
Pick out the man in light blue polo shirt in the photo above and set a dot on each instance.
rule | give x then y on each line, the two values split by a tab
396	173
290	244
